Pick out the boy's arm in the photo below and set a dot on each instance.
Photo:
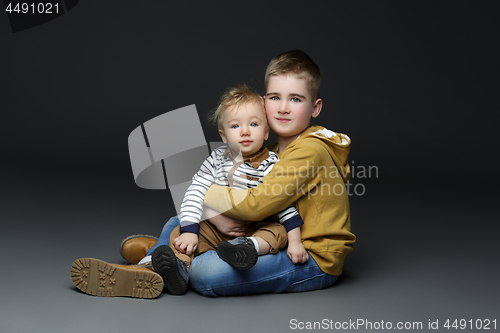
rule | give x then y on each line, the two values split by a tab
226	225
292	177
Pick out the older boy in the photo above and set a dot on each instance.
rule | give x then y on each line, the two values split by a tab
312	173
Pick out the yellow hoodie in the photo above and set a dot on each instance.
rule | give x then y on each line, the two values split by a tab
311	173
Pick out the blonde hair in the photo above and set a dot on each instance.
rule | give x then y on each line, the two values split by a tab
298	64
235	96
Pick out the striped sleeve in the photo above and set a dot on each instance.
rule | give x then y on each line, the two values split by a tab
192	205
290	218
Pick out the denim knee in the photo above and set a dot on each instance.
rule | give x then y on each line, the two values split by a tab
165	233
316	282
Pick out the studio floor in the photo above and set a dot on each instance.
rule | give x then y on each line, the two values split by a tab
410	267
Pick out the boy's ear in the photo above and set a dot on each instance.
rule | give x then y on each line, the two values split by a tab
222	136
318	105
266	136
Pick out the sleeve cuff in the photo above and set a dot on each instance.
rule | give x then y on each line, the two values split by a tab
192	228
293	222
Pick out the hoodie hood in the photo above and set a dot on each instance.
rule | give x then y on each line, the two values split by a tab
337	144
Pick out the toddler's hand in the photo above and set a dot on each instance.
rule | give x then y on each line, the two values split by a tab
297	253
186	243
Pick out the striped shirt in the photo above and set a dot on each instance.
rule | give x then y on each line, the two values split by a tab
220	169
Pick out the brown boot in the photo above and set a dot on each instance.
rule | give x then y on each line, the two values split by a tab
134	248
98	278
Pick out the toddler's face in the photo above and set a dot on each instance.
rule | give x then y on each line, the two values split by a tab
246	127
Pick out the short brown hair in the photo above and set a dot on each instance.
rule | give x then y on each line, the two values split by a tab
235	96
298	64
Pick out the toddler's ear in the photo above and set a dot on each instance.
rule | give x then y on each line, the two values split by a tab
222	136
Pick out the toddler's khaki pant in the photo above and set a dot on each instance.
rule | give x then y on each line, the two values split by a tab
272	232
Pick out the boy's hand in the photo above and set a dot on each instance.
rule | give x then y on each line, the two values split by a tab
297	253
226	225
186	243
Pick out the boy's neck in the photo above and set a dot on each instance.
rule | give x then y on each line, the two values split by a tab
284	141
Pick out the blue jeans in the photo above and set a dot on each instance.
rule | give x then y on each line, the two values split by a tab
164	238
273	273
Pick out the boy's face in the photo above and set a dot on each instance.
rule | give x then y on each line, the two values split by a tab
289	105
245	127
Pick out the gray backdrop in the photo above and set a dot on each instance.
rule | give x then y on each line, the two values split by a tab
414	85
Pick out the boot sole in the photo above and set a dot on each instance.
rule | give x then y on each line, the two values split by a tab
241	256
165	263
98	278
